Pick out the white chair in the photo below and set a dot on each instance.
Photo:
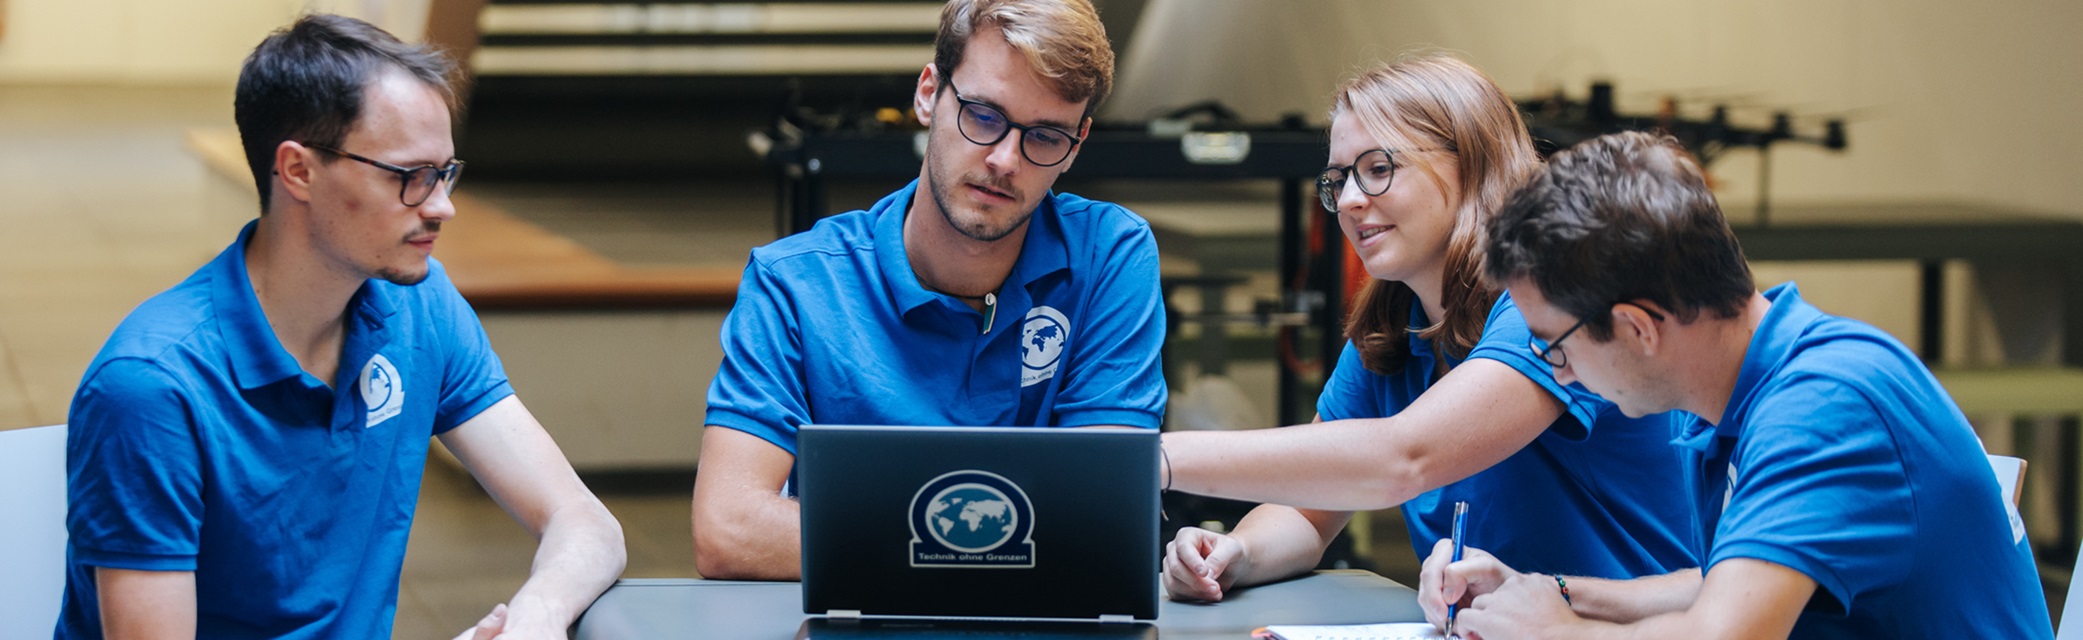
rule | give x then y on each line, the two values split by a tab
2072	607
2010	480
32	531
2010	477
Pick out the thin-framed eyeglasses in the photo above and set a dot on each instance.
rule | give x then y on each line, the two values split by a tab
983	124
418	183
1552	353
1374	169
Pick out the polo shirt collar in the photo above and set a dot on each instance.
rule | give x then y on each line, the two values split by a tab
257	356
1043	252
1424	355
1781	328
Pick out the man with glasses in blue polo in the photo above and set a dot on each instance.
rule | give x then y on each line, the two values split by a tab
245	454
1837	490
973	296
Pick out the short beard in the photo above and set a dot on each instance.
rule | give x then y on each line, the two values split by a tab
980	233
407	279
403	279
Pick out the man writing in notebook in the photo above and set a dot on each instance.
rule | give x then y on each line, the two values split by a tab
1838	491
973	296
245	453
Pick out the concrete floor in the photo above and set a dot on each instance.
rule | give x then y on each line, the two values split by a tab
102	209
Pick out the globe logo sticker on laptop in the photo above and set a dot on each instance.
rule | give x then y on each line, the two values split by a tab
972	519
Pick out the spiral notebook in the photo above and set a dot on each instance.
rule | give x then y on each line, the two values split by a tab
1387	631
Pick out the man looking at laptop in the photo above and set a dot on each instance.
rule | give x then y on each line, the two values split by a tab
245	453
973	296
1837	489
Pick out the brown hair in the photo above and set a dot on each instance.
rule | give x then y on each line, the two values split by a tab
1061	39
1434	101
1621	217
305	83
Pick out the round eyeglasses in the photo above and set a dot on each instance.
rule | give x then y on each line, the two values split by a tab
418	182
1373	169
983	124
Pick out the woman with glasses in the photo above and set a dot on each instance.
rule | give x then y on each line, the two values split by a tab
1438	397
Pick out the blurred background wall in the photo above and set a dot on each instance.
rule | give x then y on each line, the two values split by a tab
161	42
1958	101
1949	100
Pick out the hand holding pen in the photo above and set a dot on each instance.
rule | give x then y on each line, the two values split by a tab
1460	543
1442	582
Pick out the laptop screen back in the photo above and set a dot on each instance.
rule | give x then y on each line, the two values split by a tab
979	521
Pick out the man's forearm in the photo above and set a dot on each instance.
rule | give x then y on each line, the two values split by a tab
1626	601
744	529
580	555
1669	625
754	538
1282	542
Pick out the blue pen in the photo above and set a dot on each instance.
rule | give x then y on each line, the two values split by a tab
1460	525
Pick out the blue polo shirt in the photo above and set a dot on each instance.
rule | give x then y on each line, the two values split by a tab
1841	457
1591	496
198	444
832	327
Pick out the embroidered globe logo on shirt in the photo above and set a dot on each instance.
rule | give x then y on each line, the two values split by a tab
382	391
1043	335
971	519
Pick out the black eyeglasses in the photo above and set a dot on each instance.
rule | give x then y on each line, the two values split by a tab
1374	169
1552	352
983	124
418	182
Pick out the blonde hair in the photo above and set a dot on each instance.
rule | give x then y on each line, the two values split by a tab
1437	102
1062	40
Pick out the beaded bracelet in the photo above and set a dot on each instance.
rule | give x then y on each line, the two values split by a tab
1564	586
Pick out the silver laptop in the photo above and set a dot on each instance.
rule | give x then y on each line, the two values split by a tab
909	524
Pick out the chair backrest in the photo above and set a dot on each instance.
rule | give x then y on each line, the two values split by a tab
32	495
2010	484
2010	476
2072	607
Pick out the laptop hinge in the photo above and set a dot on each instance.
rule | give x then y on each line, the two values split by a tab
1117	618
844	614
